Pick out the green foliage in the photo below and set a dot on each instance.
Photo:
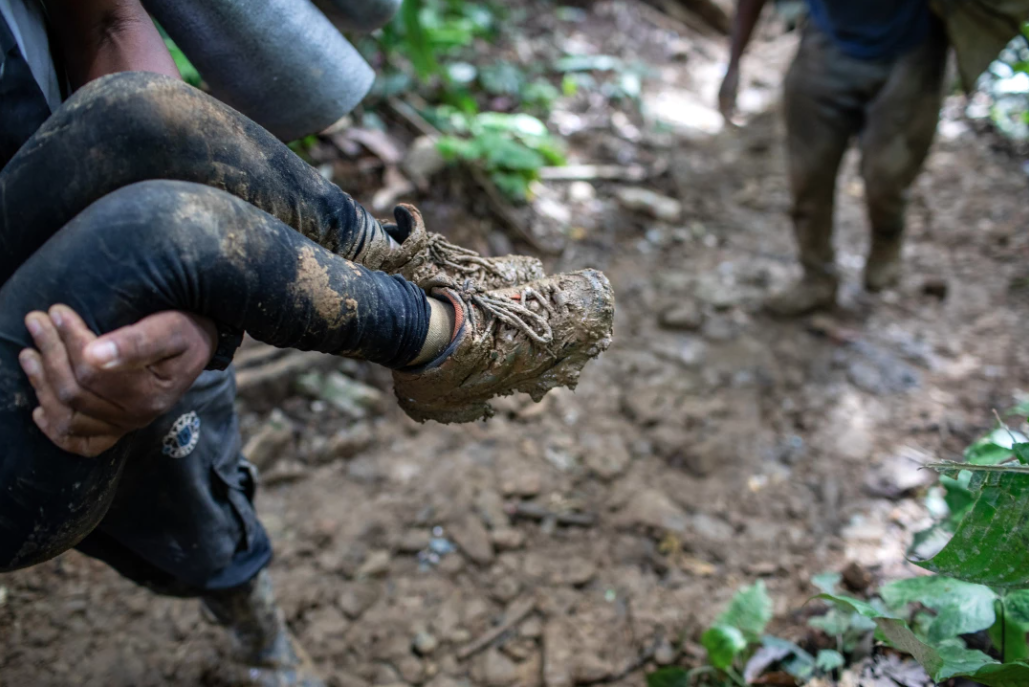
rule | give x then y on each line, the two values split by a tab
961	607
749	611
510	148
723	643
670	676
943	660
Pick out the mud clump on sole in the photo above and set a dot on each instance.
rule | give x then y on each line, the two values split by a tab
530	338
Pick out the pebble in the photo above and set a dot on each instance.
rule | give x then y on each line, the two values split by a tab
270	442
664	654
473	539
652	509
424	643
646	201
377	563
685	316
507	539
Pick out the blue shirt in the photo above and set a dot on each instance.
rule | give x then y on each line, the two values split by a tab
873	29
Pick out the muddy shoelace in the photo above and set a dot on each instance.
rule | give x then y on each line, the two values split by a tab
463	260
516	315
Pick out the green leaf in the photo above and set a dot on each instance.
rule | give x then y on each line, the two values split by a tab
1008	635
511	184
943	661
502	78
418	49
994	448
828	660
1021	451
827	581
749	611
989	544
1016	606
670	676
961	607
723	643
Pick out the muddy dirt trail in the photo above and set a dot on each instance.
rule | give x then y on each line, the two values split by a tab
710	446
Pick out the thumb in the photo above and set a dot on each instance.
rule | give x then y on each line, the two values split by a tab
149	341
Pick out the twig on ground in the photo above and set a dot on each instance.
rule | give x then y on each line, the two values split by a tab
534	511
591	172
516	613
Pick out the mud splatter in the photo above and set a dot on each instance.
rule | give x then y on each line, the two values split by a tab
314	287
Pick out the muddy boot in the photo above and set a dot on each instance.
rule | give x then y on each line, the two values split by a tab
883	267
426	258
813	291
269	655
530	338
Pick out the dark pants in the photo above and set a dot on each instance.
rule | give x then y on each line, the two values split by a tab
76	228
892	106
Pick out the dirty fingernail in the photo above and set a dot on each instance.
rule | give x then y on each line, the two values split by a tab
29	364
105	353
32	323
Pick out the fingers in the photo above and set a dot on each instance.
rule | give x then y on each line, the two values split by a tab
65	427
137	346
57	381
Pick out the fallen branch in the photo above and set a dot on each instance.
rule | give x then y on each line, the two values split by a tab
534	511
516	613
948	465
590	172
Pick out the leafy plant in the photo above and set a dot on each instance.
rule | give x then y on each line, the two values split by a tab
983	571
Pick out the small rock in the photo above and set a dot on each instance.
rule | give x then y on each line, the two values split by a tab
270	442
377	563
664	654
491	509
473	539
581	192
532	628
349	396
652	509
519	648
558	656
684	316
414	541
856	578
411	670
498	670
523	483
711	528
506	589
424	643
654	204
347	443
606	455
507	539
423	160
935	287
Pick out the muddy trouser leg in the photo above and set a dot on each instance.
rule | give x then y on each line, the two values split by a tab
901	124
825	92
134	126
165	245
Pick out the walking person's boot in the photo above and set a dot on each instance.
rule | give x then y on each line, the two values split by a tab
815	290
269	656
883	267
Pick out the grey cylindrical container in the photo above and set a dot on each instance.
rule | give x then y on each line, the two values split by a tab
360	15
279	62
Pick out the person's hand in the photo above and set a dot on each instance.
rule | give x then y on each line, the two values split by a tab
727	93
94	390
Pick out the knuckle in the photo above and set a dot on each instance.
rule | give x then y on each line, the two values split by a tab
67	393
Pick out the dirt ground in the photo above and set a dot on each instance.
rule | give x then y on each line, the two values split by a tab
710	446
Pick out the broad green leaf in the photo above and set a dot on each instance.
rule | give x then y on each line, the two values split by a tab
1008	634
1016	606
511	184
749	611
961	607
946	660
994	448
670	676
989	544
1021	451
417	41
828	659
521	123
827	581
723	643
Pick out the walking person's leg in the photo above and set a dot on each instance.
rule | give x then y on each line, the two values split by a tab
823	98
901	124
